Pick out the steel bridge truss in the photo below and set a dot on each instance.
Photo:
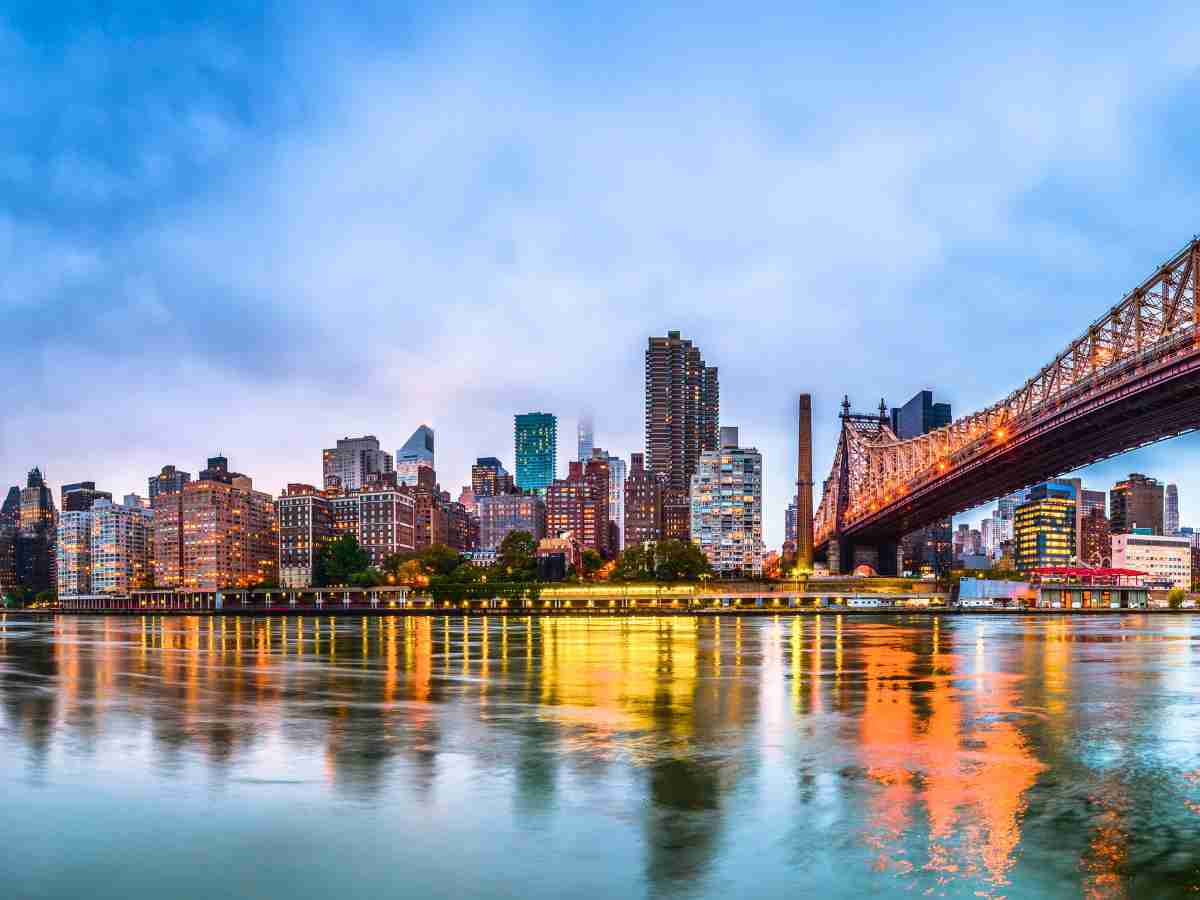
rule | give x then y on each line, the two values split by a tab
873	469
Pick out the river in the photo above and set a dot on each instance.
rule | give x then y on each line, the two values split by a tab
820	756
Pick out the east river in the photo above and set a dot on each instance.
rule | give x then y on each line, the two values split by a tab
819	756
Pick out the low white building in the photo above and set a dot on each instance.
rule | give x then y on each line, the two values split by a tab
1162	557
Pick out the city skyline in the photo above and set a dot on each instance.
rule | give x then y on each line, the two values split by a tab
705	181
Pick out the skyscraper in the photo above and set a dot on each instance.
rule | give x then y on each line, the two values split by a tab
417	453
1136	502
35	556
579	504
354	462
10	523
682	408
931	547
1171	523
726	499
586	438
122	551
74	548
535	441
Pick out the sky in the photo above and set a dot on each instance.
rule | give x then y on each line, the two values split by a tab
257	229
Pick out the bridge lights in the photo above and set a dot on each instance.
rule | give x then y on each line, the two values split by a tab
1001	434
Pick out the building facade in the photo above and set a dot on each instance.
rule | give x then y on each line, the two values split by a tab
643	503
218	532
726	507
585	438
505	513
10	524
74	549
80	496
35	554
535	442
1044	527
1095	547
383	518
928	549
1171	511
353	462
919	416
122	547
1165	558
683	404
305	520
489	478
1136	502
579	504
415	455
616	497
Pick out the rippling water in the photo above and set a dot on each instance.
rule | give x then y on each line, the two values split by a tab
831	756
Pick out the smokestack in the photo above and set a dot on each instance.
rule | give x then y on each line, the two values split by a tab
804	487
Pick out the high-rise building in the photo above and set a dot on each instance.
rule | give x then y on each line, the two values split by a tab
928	548
726	499
217	532
585	438
122	547
1136	502
74	548
919	416
505	513
305	519
35	554
1044	527
643	503
579	504
987	539
682	409
10	524
1166	559
169	481
1171	515
535	440
616	497
80	496
354	462
489	478
416	454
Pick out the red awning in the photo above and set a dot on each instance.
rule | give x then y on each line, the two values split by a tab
1080	572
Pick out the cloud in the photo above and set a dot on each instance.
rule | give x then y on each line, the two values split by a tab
473	222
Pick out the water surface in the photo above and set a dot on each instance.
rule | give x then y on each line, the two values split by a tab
831	756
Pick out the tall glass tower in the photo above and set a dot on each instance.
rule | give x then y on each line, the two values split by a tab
535	439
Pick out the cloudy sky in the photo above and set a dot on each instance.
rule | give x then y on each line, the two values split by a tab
256	231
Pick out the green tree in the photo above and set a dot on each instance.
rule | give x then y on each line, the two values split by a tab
438	559
635	563
679	561
516	555
1175	597
339	560
590	562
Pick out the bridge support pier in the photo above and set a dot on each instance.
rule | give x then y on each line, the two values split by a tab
885	557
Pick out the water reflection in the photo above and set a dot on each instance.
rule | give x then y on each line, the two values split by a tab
952	757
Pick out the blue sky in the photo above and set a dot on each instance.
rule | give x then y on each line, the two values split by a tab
260	229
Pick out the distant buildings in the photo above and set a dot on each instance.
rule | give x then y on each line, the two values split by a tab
616	496
1095	544
489	478
1136	502
305	520
10	524
919	416
579	504
535	442
81	496
415	455
502	514
1044	527
169	481
1166	559
1171	512
218	532
726	507
354	462
585	438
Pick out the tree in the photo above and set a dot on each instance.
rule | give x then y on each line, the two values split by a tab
438	559
1175	597
339	560
680	561
635	563
590	562
516	555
